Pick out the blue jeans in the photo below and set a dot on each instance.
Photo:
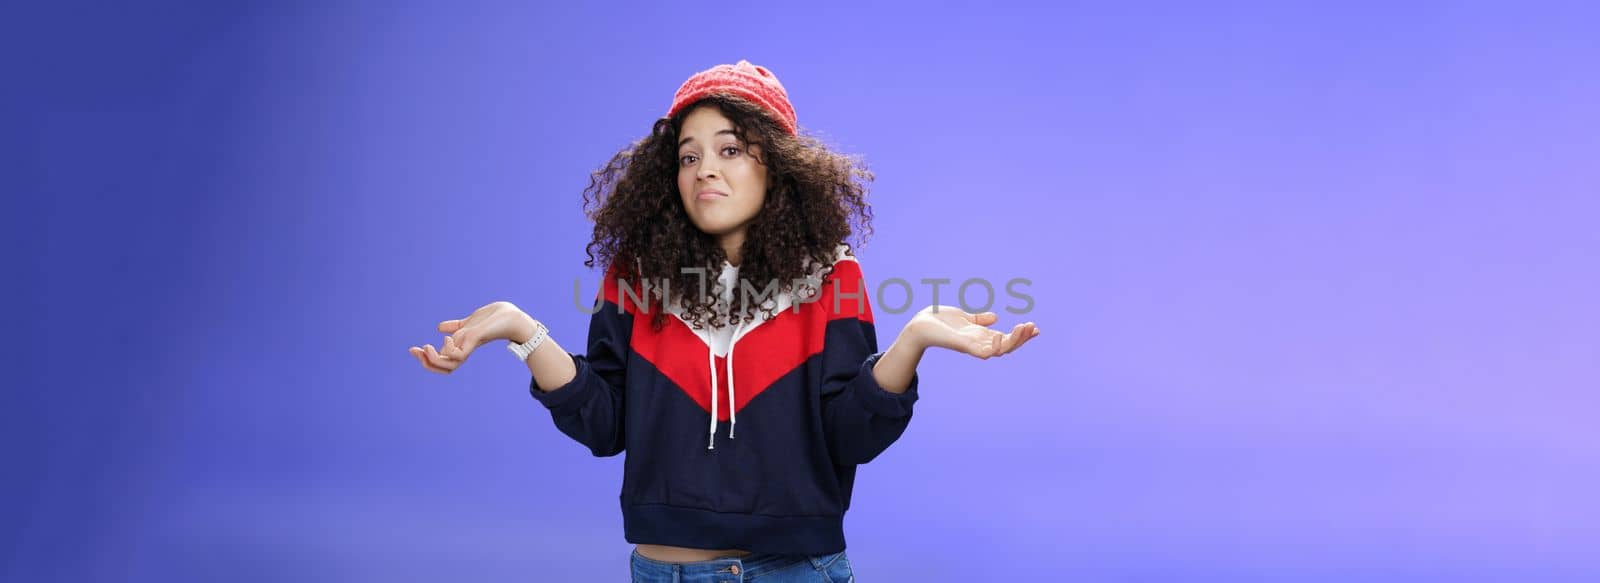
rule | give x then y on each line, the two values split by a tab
759	567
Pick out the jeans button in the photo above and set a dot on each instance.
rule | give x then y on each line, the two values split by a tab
734	569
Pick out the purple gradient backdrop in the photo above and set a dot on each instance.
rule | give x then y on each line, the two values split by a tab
1317	283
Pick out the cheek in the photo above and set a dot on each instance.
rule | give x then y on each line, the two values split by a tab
685	184
753	177
758	184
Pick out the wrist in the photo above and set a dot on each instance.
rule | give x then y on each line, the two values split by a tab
525	349
524	330
912	339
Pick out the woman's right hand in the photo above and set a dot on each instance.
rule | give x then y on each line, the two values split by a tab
495	321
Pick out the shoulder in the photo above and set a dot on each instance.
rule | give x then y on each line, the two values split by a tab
843	270
620	286
844	264
843	293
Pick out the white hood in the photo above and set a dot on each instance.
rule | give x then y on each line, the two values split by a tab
722	340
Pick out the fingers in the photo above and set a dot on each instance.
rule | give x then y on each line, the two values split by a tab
432	360
440	360
1019	335
991	343
981	318
985	345
465	340
1010	341
457	346
422	357
1033	332
453	350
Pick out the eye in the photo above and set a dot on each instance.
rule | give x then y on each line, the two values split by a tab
685	159
734	148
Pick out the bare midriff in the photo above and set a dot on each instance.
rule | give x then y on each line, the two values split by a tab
670	554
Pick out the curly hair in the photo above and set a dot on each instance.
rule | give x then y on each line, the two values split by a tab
815	201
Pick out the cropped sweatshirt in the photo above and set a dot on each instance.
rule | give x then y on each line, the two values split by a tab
799	381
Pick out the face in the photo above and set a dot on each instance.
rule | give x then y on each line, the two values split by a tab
721	182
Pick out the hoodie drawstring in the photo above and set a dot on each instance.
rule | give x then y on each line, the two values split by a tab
733	411
711	365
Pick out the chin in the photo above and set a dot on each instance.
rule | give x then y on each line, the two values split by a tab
716	227
717	230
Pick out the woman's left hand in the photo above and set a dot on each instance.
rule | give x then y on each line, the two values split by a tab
953	328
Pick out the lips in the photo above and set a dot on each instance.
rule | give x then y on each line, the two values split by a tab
705	194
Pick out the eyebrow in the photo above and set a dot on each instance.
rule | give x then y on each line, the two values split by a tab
691	138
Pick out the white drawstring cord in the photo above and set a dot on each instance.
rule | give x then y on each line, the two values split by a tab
733	406
711	365
733	409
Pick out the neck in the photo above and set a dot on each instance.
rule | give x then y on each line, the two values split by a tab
731	244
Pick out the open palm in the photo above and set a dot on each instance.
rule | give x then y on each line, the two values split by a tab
494	321
953	328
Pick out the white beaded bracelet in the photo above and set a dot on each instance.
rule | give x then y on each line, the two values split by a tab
526	348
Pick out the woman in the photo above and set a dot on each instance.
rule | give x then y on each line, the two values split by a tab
730	294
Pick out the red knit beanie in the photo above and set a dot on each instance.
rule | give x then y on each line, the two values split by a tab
752	82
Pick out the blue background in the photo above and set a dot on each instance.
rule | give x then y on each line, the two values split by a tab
1317	283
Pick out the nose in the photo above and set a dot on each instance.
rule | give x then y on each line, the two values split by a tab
707	169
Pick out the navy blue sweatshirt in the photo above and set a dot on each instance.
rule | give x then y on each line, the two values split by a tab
800	383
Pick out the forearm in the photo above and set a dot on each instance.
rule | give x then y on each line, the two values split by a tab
550	365
895	368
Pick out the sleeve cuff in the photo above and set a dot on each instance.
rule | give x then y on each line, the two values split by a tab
879	401
568	396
